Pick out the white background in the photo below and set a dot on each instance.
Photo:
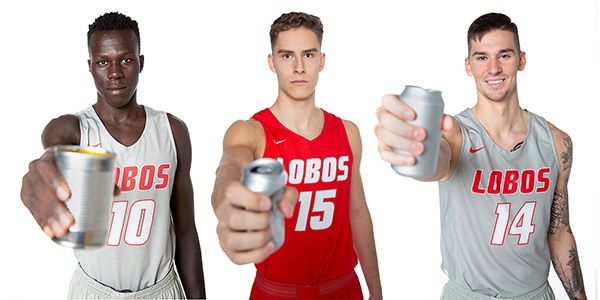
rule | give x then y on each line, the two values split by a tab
207	64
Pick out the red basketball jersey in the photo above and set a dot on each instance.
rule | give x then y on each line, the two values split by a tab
318	243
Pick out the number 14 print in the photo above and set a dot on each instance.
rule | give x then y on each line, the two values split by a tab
522	224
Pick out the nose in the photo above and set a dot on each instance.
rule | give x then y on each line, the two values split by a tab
494	66
299	66
115	71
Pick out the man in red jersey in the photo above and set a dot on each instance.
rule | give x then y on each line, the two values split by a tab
331	227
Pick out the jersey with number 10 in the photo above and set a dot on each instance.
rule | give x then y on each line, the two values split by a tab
318	244
141	241
495	210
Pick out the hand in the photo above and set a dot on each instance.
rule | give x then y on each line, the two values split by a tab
44	192
394	131
243	229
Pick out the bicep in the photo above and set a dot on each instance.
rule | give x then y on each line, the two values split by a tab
63	130
559	218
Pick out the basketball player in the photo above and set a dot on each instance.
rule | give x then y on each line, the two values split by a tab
321	153
136	263
502	173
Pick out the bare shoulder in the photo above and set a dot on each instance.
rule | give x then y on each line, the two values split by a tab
563	145
63	130
245	133
353	137
178	127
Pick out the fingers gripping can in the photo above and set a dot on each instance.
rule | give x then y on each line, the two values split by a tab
89	173
267	176
429	108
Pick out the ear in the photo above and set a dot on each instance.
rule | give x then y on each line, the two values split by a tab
468	67
271	64
90	65
522	61
141	63
322	63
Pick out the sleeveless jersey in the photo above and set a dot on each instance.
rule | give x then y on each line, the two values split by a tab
140	246
495	210
318	244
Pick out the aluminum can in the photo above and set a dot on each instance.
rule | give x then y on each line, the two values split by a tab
89	172
268	176
429	107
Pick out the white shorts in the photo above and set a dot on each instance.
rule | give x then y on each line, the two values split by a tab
84	287
453	291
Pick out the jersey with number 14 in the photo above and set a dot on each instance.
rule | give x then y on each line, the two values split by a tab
318	244
141	241
495	210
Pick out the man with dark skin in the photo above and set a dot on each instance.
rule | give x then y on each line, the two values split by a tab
140	137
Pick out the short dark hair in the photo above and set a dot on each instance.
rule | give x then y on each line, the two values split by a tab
296	20
489	22
113	21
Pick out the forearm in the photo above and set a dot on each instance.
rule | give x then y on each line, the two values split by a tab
364	243
188	258
229	170
565	259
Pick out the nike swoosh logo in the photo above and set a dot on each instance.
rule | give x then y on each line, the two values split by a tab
279	142
475	150
97	145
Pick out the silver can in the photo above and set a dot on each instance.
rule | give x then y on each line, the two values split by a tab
429	107
267	176
89	172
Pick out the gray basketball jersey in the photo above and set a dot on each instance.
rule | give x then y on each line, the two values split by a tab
495	210
140	246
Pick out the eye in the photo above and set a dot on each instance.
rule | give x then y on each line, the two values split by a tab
286	56
505	56
102	63
480	58
126	60
309	55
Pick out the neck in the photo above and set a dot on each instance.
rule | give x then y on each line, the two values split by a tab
505	121
299	116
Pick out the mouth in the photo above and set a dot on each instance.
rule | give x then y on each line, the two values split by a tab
299	82
116	89
495	82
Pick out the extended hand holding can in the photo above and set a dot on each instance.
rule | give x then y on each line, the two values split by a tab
429	108
89	173
268	176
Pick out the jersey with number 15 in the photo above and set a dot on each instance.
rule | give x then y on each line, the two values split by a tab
318	244
141	241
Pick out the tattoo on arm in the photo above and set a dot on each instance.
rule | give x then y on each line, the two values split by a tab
573	284
559	212
567	155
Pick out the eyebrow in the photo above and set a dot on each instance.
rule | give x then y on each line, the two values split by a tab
285	51
505	50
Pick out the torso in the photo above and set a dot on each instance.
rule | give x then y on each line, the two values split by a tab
140	247
318	243
495	210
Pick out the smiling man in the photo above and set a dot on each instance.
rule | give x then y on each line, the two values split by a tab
502	173
136	261
331	227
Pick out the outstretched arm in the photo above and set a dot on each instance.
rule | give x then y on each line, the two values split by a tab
43	190
243	228
561	241
360	219
394	131
188	256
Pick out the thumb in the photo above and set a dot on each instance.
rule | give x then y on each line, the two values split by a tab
447	123
288	201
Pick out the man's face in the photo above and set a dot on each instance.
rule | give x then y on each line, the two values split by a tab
115	64
494	62
297	61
